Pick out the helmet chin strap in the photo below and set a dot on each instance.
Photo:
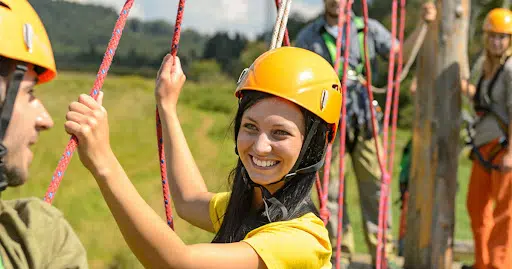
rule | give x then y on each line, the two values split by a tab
266	195
5	117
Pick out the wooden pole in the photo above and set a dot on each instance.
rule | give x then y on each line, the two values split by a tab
431	209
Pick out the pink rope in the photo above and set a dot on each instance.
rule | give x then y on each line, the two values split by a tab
161	152
381	242
381	157
98	84
343	125
395	108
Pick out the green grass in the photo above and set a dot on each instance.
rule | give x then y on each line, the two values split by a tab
205	112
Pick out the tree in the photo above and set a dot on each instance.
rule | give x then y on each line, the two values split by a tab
431	209
225	50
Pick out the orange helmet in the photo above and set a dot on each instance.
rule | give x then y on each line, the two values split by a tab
300	76
498	20
24	38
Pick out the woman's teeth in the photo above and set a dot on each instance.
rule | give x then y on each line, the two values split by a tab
261	163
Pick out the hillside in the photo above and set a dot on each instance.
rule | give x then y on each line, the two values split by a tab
80	34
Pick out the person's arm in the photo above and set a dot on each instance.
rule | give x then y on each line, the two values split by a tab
467	88
302	37
429	14
410	42
153	242
188	189
147	235
507	159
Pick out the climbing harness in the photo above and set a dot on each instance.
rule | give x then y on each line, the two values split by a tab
485	106
475	153
330	42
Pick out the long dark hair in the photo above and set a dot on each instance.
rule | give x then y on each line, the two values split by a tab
239	219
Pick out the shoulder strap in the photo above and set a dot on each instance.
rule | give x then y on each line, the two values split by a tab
488	106
493	81
476	97
490	87
330	42
359	22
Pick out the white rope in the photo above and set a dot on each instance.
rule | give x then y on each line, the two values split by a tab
277	25
284	22
415	50
280	25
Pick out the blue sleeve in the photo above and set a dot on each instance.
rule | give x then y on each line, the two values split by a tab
382	38
301	40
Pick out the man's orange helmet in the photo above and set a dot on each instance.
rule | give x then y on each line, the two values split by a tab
24	38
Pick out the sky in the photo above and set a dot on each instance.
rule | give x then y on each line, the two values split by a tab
250	17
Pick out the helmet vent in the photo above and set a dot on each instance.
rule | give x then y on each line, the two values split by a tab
242	75
28	34
323	101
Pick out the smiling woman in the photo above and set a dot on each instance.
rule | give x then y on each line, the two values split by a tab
270	140
289	109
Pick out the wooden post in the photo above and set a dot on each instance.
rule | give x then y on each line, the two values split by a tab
431	209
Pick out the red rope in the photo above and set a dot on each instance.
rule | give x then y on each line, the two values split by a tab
98	84
391	70
403	222
324	212
369	86
395	114
381	157
286	41
381	242
161	152
343	125
397	85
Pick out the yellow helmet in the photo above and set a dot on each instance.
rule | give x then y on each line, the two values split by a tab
24	38
300	76
498	20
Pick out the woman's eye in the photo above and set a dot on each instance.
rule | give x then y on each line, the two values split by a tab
281	132
250	126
